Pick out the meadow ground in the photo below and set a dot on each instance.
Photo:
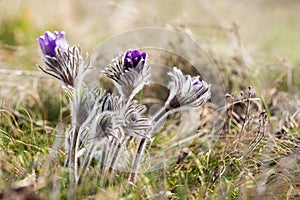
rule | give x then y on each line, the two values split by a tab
253	155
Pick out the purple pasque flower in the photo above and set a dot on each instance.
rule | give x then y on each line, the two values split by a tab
50	41
129	73
62	62
133	58
187	91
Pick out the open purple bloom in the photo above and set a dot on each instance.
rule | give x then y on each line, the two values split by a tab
62	62
133	58
187	91
50	41
129	72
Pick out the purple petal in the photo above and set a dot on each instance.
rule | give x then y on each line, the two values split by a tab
135	54
42	44
144	55
133	58
196	81
49	42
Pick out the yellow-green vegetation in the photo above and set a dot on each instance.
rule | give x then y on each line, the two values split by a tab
253	155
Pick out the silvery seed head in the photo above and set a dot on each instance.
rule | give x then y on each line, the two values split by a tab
186	91
129	72
62	61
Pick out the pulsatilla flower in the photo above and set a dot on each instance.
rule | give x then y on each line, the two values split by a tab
127	117
62	62
186	91
102	126
106	126
129	72
131	120
133	58
50	41
135	123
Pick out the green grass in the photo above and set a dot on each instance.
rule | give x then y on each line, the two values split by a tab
200	168
239	164
221	170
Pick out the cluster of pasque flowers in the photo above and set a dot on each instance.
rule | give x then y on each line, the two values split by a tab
103	124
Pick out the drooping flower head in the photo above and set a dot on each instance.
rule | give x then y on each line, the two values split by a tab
128	117
187	91
129	72
132	121
62	62
102	126
50	41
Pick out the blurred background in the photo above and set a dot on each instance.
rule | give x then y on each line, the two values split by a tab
247	40
252	43
267	29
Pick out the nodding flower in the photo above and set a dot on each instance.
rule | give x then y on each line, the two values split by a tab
187	91
62	62
130	118
129	72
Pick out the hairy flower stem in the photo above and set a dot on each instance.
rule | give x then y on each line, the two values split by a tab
86	163
110	156
136	162
156	119
160	113
118	152
127	98
73	164
104	158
